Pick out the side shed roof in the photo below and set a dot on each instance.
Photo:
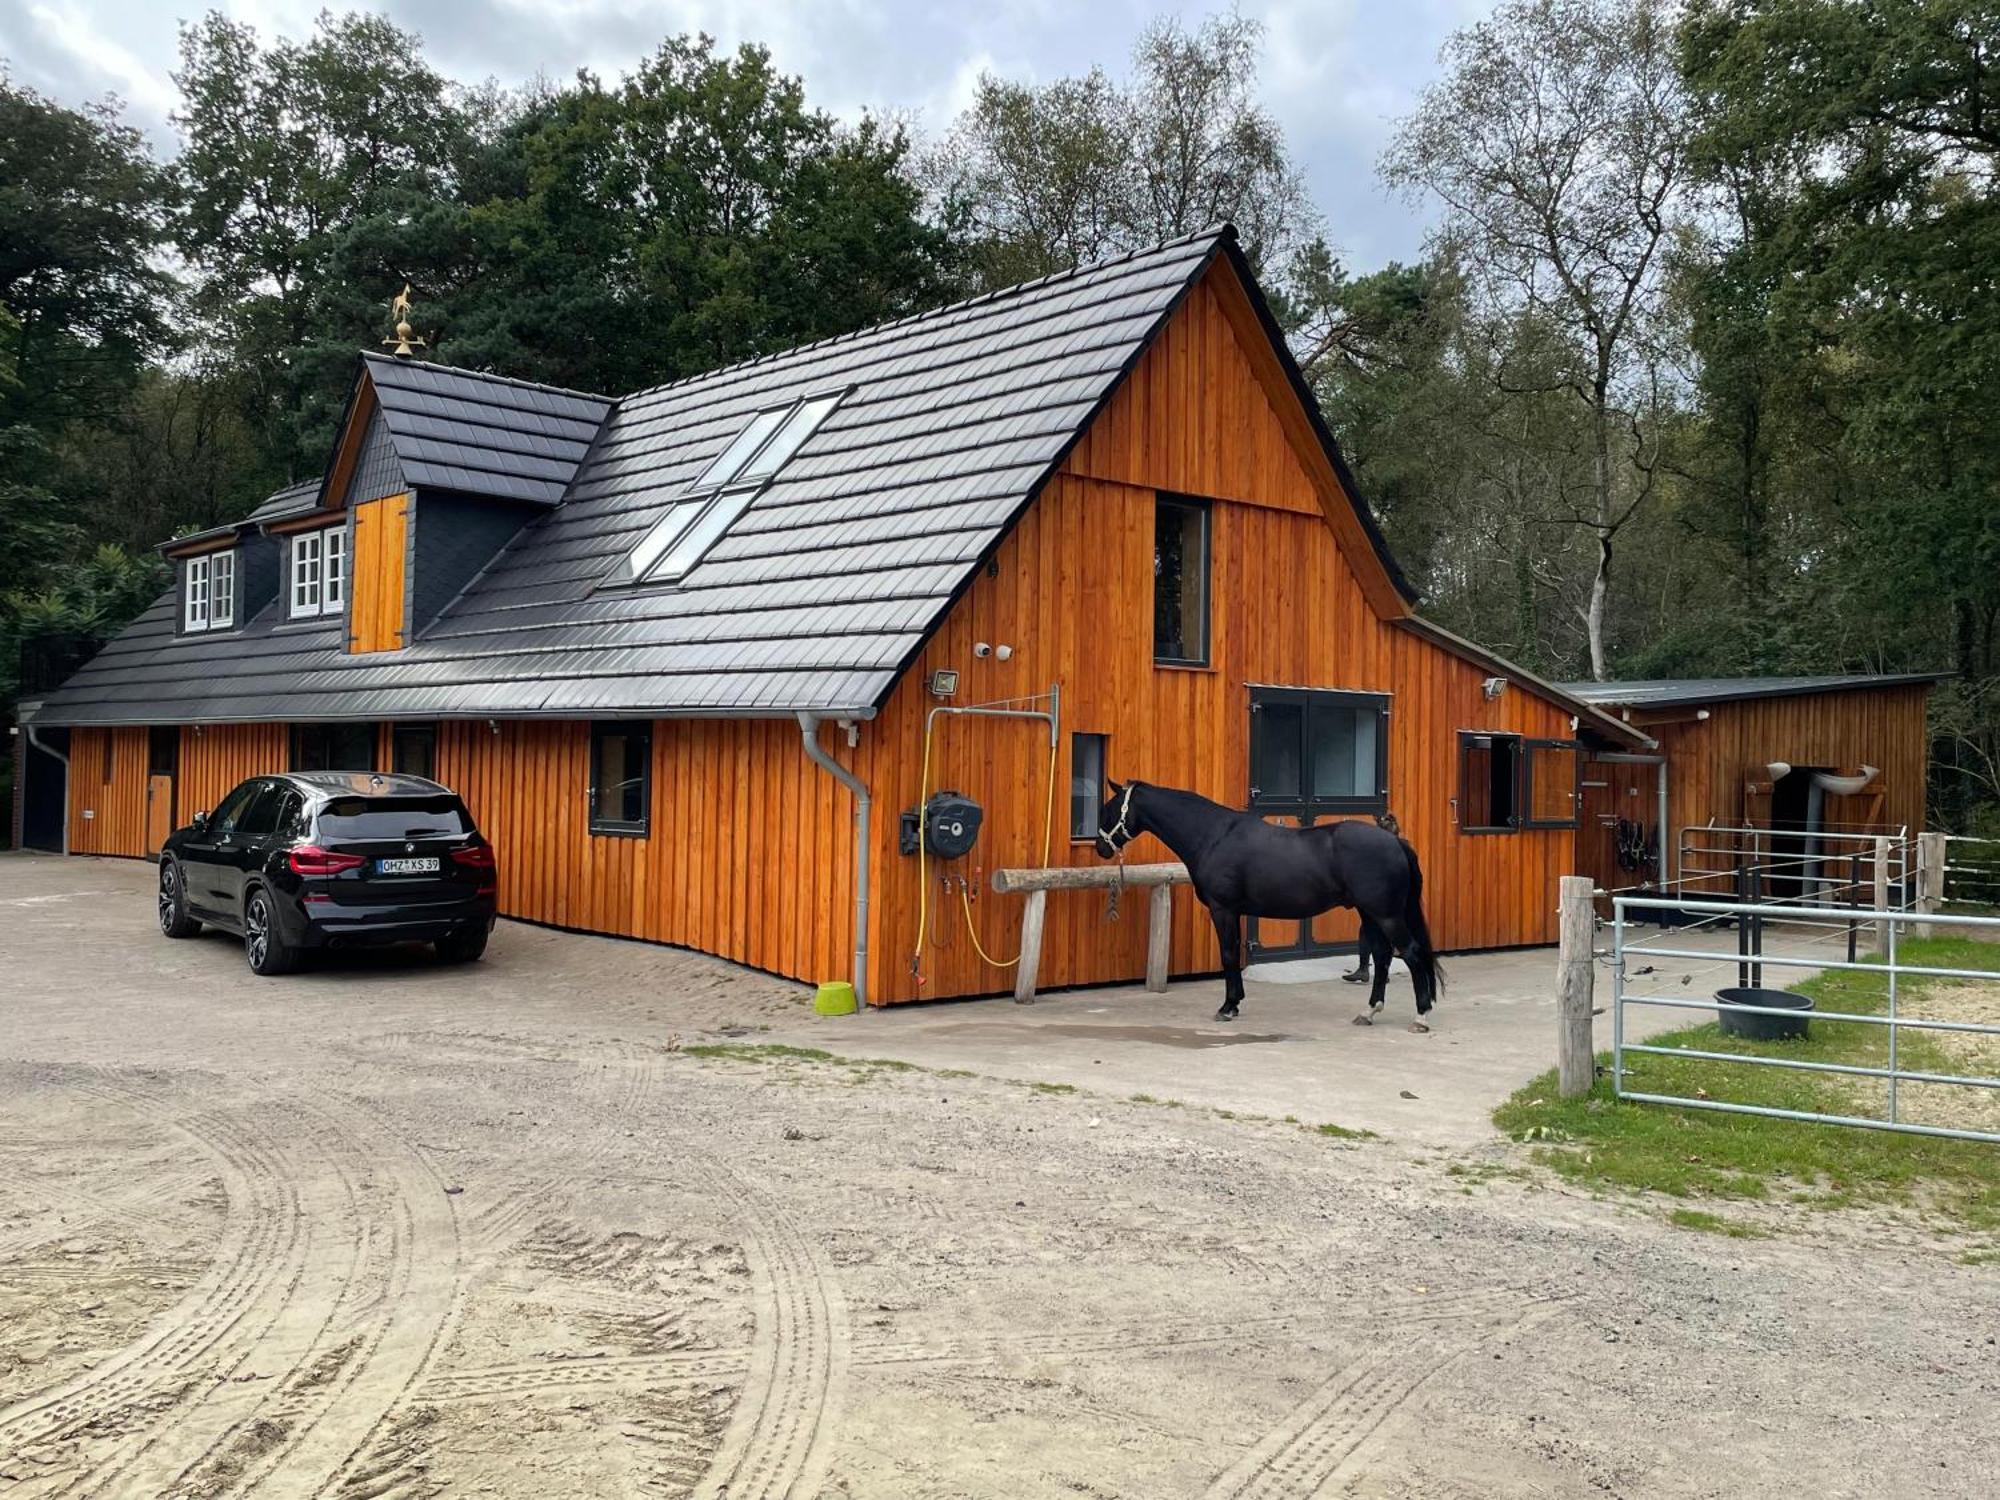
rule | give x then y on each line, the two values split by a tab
1690	692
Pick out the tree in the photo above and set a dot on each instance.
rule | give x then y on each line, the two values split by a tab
1871	135
1038	178
1557	142
282	149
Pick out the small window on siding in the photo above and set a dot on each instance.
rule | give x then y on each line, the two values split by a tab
1180	582
1489	791
413	750
194	615
333	747
621	774
1552	773
1086	783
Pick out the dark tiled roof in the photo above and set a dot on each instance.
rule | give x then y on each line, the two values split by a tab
1665	692
484	434
814	598
293	500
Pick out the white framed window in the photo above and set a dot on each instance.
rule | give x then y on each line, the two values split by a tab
333	591
307	558
319	572
208	592
194	616
222	591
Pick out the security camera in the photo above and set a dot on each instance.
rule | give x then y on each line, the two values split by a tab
1002	653
980	648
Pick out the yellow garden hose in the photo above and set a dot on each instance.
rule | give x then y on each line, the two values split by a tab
923	870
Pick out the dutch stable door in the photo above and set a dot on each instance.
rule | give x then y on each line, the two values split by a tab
1315	753
163	746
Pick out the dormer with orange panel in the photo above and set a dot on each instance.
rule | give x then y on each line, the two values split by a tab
434	471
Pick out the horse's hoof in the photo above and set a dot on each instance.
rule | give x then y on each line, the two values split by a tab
1227	1013
1366	1018
1420	1028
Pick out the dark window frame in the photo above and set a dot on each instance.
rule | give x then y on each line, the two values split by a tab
1082	835
1163	501
1467	743
1528	749
297	738
399	733
600	730
1307	804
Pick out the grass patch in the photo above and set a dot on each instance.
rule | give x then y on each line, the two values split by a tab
770	1052
1602	1142
1708	1223
1344	1133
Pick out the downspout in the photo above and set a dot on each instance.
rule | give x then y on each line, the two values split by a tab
863	804
35	742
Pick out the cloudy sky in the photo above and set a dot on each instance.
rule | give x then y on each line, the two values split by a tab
1336	71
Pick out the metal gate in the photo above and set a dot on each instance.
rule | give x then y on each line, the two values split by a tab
1629	989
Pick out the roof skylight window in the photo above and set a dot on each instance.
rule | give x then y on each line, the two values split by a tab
723	491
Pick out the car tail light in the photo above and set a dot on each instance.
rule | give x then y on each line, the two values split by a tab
310	859
477	856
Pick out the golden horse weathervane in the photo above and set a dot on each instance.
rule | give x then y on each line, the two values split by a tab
404	343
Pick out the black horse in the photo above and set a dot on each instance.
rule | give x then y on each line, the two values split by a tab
1242	866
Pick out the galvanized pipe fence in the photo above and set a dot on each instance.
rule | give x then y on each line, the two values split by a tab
1755	920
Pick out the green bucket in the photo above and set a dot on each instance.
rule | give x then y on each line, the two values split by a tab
834	998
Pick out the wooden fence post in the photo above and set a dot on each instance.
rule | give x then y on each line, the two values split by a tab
1931	855
1882	889
1031	947
1159	936
1576	967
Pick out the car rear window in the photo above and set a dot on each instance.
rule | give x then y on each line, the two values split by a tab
362	818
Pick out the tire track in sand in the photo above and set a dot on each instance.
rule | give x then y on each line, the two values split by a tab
1324	1432
779	1440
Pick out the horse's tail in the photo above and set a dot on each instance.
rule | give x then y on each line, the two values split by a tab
1426	973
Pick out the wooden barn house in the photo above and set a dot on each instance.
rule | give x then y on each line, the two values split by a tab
1826	764
683	652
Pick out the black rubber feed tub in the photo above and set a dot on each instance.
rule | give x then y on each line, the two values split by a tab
1758	1028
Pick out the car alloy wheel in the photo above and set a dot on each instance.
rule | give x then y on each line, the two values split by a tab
257	931
170	896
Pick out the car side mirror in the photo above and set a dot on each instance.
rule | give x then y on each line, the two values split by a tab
200	822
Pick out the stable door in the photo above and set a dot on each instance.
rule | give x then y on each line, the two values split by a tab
1315	754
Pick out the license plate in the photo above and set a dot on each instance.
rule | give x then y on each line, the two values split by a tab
407	866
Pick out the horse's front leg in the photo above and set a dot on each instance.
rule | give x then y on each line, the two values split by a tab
1229	934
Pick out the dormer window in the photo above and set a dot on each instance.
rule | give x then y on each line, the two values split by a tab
208	592
318	573
723	491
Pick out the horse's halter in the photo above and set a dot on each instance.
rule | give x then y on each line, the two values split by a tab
1119	836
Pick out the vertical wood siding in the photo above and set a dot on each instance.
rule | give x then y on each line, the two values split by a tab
1071	590
376	604
214	757
1710	761
107	815
749	853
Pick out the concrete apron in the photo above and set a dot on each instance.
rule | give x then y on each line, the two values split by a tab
1294	1050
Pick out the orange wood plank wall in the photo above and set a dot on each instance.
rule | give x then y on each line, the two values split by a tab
381	546
1711	760
107	791
1071	590
749	853
214	757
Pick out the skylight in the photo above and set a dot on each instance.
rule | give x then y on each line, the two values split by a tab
723	491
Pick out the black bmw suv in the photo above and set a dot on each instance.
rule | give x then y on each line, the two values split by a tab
315	859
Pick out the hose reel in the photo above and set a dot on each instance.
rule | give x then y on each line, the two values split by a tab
950	822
